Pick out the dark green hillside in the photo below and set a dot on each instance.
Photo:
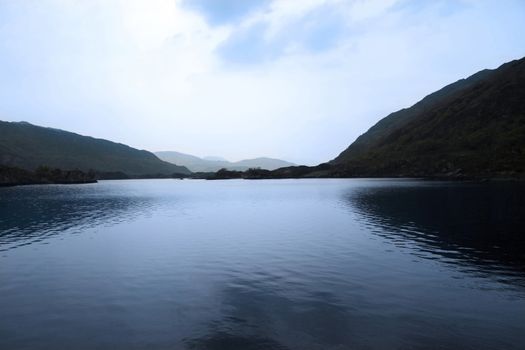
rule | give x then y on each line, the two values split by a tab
474	127
27	146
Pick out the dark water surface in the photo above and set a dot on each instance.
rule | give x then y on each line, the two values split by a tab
285	264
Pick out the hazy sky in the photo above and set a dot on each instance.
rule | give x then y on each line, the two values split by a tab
293	79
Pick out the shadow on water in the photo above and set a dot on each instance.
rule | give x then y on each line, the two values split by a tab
35	213
470	224
255	316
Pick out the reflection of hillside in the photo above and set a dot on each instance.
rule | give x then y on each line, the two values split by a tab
37	212
462	223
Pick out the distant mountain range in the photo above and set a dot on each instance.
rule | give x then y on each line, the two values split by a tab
212	164
473	127
27	146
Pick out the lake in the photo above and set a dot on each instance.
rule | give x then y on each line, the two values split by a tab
273	264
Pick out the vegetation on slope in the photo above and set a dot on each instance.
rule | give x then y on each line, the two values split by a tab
43	175
26	146
474	127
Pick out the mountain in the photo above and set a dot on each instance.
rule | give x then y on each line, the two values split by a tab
27	146
197	164
473	127
215	158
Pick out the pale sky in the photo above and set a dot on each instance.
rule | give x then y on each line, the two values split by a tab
291	79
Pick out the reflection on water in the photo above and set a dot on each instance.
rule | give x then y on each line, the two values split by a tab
288	264
31	214
460	223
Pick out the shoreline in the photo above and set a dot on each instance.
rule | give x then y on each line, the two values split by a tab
427	179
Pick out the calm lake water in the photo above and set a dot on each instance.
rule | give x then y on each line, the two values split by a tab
284	264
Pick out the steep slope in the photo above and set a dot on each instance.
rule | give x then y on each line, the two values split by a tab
197	164
474	127
28	146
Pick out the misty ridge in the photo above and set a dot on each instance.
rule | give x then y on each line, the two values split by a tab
213	164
